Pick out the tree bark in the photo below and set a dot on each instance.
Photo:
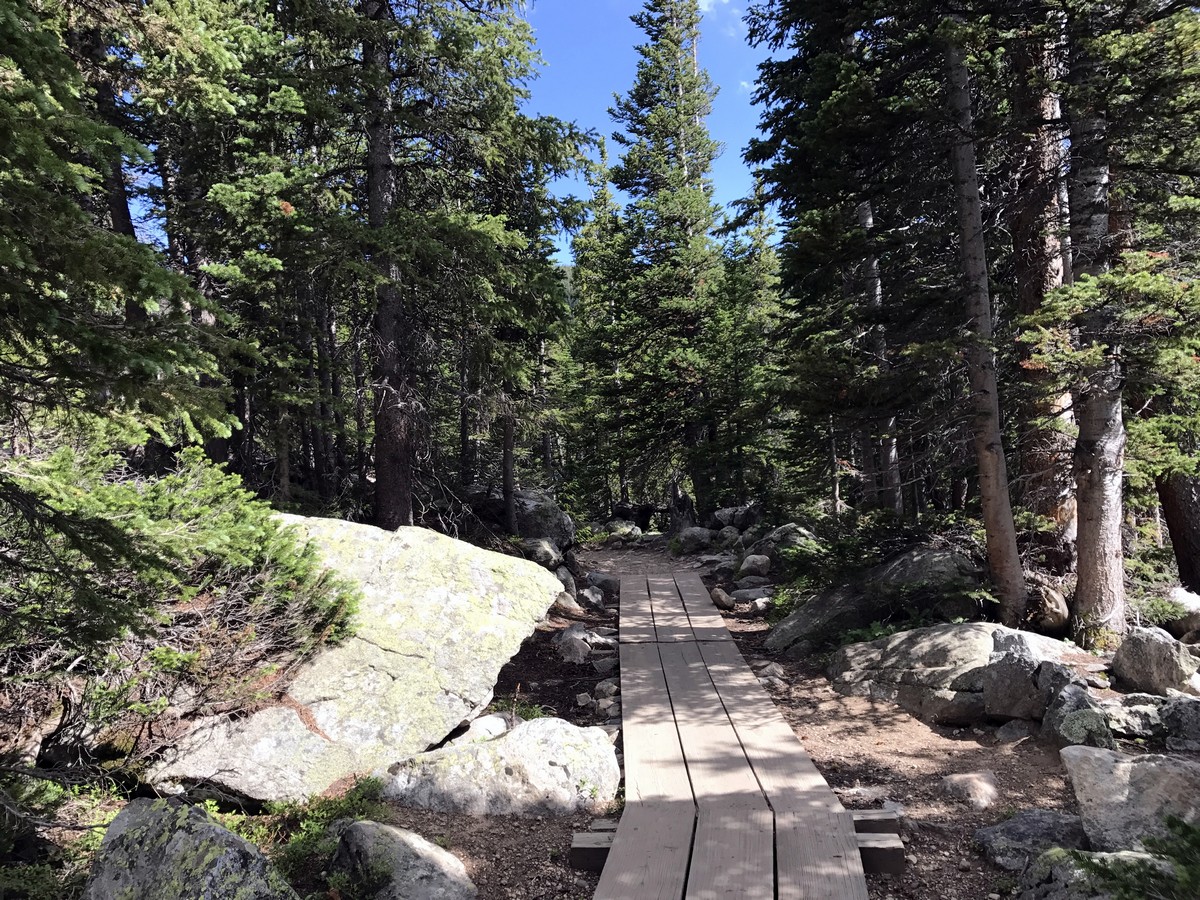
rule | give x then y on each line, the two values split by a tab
1179	496
510	473
1047	485
1099	459
394	414
1003	556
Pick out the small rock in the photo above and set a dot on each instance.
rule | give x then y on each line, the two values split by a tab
568	605
722	600
762	606
605	706
610	585
976	788
775	684
1015	730
604	666
607	688
1099	682
751	594
592	597
771	670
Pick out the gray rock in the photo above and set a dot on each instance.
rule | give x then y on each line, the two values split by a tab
1180	719
722	565
693	540
752	581
624	528
1124	799
605	666
778	543
567	580
543	552
739	517
407	865
166	850
573	649
978	789
539	516
607	688
568	605
1136	715
761	606
1010	689
727	537
1189	621
755	564
935	673
592	597
1016	730
922	581
722	600
751	594
1014	843
610	585
541	767
437	620
1151	661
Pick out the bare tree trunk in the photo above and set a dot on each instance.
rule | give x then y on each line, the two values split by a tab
394	414
1180	498
1003	556
1099	459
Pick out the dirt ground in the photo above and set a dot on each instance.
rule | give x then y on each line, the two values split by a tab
871	753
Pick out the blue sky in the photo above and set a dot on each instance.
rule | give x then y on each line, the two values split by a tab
588	47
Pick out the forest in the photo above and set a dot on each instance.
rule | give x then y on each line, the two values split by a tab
300	255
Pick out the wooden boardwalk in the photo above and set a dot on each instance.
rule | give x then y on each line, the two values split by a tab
721	801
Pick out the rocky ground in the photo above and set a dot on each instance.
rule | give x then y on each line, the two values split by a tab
871	753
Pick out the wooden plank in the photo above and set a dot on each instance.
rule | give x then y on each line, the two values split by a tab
818	857
637	621
707	623
718	768
882	854
589	850
654	761
786	772
870	821
650	853
604	824
733	854
670	618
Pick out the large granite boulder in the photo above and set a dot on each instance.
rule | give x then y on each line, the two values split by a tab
922	581
1138	716
1125	799
1150	661
167	850
396	864
541	767
1180	720
1011	688
437	620
538	515
1017	841
935	673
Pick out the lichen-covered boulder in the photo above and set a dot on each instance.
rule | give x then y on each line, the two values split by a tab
167	850
922	581
1017	841
541	767
437	621
1058	874
396	864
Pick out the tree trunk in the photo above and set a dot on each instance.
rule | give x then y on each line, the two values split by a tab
510	473
1180	498
1003	556
394	413
1047	485
1099	459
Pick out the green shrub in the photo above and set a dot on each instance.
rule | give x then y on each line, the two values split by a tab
304	840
